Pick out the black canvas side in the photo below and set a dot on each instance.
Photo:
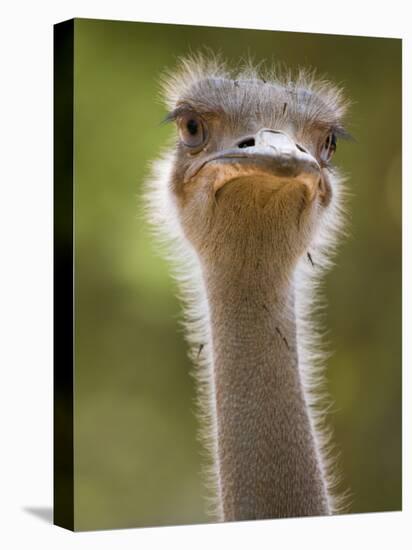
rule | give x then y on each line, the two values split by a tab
63	275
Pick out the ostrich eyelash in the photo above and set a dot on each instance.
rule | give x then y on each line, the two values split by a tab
341	133
184	110
176	113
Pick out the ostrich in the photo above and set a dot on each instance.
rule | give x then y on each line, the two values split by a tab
250	208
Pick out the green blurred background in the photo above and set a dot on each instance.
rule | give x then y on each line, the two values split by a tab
137	461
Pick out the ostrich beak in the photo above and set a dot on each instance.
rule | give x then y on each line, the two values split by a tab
270	154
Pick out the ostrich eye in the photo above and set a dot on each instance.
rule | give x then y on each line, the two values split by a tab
192	130
328	147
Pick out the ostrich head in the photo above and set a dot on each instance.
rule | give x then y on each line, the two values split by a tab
252	163
249	195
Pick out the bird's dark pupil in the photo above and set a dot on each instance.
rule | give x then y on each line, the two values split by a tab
192	127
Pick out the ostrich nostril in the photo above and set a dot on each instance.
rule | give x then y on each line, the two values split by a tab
301	148
249	142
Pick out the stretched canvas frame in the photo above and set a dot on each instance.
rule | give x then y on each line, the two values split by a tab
79	504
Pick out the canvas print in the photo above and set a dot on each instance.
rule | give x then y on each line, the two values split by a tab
227	274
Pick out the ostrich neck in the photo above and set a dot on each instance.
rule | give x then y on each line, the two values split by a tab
267	461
